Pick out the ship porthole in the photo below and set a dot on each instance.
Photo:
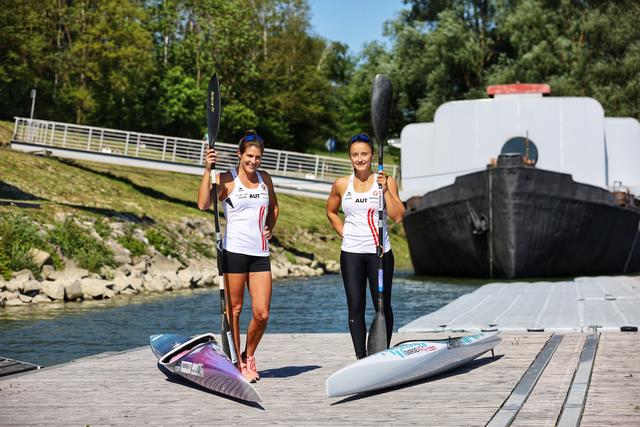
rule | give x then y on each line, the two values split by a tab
523	146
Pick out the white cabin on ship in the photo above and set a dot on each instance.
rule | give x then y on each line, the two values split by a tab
570	134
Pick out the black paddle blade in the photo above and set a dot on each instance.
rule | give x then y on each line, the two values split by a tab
377	340
381	97
213	109
224	322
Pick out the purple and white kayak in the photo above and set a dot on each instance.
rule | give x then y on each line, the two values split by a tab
409	361
202	361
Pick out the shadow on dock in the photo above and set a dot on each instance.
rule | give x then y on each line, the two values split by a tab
287	371
178	380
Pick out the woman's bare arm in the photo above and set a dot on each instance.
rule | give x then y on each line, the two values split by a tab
395	207
204	194
333	205
274	209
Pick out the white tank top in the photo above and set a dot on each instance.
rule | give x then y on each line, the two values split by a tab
246	213
360	232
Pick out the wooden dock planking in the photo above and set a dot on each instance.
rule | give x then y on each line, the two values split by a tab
127	388
614	391
543	406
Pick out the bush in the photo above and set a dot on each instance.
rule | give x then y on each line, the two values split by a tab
102	228
161	242
5	266
135	246
77	243
291	258
58	264
206	250
18	235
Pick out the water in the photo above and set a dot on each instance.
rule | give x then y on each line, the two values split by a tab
56	333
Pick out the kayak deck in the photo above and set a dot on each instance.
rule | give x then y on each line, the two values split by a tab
409	361
125	388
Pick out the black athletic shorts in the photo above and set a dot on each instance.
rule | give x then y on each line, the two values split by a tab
241	263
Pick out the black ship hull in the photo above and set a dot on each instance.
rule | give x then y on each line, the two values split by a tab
513	221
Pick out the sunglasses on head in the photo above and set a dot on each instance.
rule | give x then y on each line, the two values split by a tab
252	137
361	137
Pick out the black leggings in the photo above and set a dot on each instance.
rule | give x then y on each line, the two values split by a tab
356	269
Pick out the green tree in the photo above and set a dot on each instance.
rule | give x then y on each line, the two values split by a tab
102	54
295	96
25	56
192	40
336	63
541	42
144	65
86	58
356	109
181	99
441	52
612	57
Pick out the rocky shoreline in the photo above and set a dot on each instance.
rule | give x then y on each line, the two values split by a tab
152	272
150	275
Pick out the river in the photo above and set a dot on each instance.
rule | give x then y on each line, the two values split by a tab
56	333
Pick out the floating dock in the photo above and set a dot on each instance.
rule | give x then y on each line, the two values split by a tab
611	303
541	378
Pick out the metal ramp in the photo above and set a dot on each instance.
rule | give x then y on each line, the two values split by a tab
12	367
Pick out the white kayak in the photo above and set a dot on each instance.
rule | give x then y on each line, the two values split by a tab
409	361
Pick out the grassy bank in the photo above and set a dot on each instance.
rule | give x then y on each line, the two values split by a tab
151	198
6	131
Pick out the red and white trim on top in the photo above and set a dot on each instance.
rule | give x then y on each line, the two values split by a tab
261	227
517	88
372	225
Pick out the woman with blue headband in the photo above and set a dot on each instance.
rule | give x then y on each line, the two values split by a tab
251	210
358	195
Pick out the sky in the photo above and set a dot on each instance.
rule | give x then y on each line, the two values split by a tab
354	22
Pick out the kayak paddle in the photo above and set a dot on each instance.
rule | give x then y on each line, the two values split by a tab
213	125
381	96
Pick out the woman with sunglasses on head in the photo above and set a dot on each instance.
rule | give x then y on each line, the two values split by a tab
358	195
251	211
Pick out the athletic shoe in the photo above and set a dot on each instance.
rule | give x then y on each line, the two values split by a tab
253	373
251	367
248	375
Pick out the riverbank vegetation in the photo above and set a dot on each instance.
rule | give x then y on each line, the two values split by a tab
76	203
143	66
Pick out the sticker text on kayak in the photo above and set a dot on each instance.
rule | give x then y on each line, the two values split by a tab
189	368
406	350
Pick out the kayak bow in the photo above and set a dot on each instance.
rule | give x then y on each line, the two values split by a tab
201	361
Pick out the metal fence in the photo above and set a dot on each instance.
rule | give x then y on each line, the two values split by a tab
176	150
